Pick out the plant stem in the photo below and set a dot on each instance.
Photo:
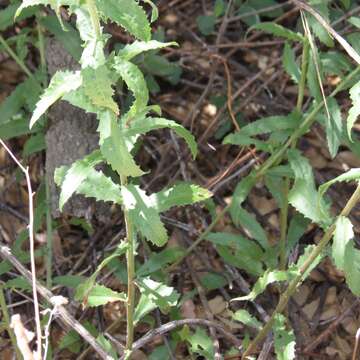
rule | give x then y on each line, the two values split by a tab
284	211
130	257
21	64
285	297
49	236
6	320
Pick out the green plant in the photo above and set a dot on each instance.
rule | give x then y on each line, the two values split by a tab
91	89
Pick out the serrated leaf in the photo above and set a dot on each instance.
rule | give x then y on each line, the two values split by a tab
101	295
76	174
303	195
266	279
289	63
351	175
61	83
114	147
137	47
278	30
144	215
354	111
128	14
245	318
243	140
154	294
202	344
320	32
284	339
143	126
136	83
179	195
97	85
343	234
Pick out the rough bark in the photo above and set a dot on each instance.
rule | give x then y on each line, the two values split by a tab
71	134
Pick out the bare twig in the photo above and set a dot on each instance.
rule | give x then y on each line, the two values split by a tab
23	337
177	323
62	314
32	249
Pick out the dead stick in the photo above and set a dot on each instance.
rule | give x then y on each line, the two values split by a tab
62	314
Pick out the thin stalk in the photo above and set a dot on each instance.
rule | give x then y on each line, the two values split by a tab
49	229
130	257
274	159
21	64
94	17
285	297
284	211
6	319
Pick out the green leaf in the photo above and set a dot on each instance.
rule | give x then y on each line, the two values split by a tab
249	222
335	63
238	251
158	261
34	144
206	24
137	47
19	283
113	145
267	125
71	281
297	227
352	268
7	15
278	30
128	14
266	279
313	76
354	111
61	83
245	318
136	83
156	294
70	38
321	33
343	234
202	344
284	339
71	341
143	126
355	20
219	8
240	194
333	127
289	63
351	175
304	257
144	215
243	140
303	195
107	346
101	295
97	85
179	195
71	180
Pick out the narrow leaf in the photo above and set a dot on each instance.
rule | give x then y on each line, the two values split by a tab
180	195
278	30
137	47
101	295
143	126
303	196
352	268
136	83
61	83
354	111
333	127
289	63
342	235
245	318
